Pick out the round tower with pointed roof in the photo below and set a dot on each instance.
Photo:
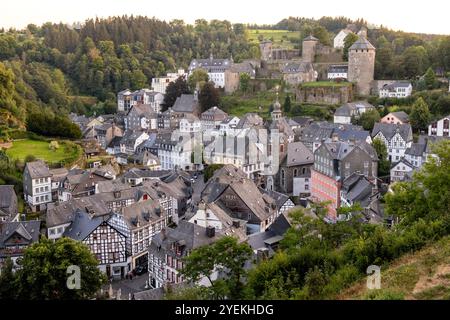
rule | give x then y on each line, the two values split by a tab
309	48
361	65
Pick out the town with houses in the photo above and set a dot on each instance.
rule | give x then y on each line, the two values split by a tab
144	201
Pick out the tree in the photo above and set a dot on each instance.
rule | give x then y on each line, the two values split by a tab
209	171
7	280
430	78
30	158
287	104
415	61
349	40
198	78
173	91
420	115
209	96
368	119
383	160
44	271
427	195
244	82
226	256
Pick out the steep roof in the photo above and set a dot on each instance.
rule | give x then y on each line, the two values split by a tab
8	197
29	230
298	67
83	225
389	130
38	169
185	103
298	154
362	44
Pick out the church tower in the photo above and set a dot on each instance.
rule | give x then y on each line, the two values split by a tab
277	113
361	65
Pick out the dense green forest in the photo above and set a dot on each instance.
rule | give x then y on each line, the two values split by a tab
57	69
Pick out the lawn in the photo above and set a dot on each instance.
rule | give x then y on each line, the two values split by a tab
280	38
40	149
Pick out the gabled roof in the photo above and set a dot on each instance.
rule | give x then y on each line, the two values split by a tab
83	225
298	67
404	161
298	154
389	130
216	112
29	230
401	115
416	149
38	169
185	103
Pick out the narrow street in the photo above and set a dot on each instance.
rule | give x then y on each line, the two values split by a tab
127	286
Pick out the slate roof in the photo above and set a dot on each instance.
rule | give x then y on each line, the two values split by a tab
357	188
362	44
416	149
8	200
298	67
338	69
298	154
260	204
250	120
397	84
389	130
217	113
62	213
29	230
83	225
185	103
404	161
190	235
135	173
143	213
38	169
143	110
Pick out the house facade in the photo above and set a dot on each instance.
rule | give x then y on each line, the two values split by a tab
37	185
334	161
396	137
440	128
396	90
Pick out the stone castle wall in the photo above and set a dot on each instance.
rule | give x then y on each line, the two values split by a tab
324	95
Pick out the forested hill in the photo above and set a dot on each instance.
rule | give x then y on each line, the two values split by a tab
55	68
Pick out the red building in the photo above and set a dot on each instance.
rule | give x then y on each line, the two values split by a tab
334	161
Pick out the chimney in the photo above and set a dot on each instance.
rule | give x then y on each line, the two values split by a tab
210	231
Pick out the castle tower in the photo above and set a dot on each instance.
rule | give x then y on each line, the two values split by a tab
309	48
361	65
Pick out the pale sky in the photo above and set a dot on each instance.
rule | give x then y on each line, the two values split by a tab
429	16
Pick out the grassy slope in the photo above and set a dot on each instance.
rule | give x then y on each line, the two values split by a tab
421	275
281	38
41	150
